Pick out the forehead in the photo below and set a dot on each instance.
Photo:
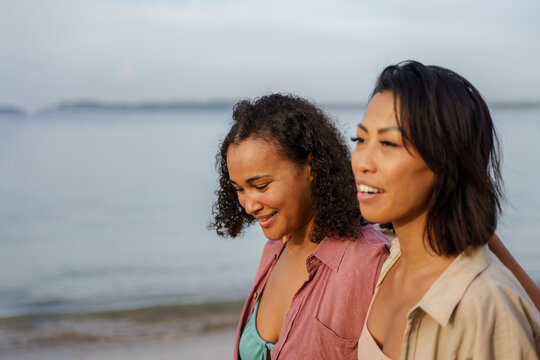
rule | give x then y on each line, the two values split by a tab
380	112
254	156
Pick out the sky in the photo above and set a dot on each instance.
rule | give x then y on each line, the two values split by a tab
329	51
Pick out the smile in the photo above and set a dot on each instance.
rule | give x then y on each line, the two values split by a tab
266	220
368	193
368	189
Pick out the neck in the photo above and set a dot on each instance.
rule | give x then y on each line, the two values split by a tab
416	253
300	242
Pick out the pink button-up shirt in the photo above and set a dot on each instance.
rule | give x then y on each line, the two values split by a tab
327	313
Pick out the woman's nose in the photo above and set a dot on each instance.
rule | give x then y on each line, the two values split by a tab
251	204
363	160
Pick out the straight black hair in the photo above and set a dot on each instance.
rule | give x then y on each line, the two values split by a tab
444	117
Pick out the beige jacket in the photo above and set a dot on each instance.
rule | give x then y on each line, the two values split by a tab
475	310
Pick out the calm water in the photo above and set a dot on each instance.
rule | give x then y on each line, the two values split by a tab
102	211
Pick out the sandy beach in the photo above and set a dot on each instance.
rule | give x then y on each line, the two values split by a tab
216	344
175	332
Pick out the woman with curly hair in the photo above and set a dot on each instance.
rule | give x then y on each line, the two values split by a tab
285	165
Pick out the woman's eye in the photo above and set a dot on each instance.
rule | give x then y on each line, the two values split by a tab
261	187
238	190
389	143
358	140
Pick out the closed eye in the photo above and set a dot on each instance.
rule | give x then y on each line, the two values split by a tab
358	140
261	187
389	143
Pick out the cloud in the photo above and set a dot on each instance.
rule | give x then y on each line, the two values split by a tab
131	50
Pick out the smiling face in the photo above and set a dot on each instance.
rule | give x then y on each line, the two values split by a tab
275	191
394	183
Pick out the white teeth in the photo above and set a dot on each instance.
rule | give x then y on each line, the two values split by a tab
368	189
265	218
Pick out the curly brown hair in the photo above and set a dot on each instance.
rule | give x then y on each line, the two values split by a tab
299	129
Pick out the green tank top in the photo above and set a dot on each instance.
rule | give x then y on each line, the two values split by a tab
252	345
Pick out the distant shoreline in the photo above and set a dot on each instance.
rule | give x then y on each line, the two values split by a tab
192	105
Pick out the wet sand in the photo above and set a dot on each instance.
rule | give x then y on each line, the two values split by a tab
217	344
205	331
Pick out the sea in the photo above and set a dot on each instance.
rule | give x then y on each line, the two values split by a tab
109	210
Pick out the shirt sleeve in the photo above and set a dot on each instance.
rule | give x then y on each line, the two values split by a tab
507	328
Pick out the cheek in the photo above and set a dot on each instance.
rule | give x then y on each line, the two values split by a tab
293	199
304	199
398	176
416	183
423	177
426	187
270	199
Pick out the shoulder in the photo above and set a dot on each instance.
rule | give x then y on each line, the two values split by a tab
271	250
496	286
370	246
365	256
498	308
352	268
371	239
272	247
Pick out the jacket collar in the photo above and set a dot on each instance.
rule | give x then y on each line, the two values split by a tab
447	291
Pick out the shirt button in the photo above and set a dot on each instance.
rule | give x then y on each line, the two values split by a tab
255	295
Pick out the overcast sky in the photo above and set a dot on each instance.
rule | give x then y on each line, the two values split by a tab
329	51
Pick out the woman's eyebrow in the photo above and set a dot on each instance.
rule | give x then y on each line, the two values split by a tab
250	180
380	131
386	129
255	178
362	127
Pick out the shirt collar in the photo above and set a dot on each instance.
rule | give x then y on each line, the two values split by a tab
447	291
395	253
330	252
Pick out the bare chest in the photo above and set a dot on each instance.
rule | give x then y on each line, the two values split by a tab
284	281
388	317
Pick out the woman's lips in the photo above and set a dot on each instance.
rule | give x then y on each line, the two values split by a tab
266	221
367	196
367	192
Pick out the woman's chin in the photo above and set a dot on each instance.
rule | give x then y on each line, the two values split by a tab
375	218
270	235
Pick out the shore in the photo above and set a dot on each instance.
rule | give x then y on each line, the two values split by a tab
204	331
212	345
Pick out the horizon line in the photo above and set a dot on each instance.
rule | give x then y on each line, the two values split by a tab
194	104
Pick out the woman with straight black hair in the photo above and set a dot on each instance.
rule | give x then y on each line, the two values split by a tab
427	160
